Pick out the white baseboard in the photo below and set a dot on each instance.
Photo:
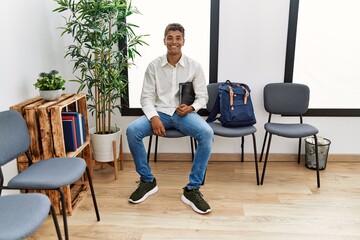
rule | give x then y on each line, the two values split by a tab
247	157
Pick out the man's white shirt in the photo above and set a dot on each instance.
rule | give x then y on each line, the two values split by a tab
160	90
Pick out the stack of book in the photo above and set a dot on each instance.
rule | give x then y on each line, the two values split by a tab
74	130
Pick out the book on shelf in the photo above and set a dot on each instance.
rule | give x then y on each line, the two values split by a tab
75	128
83	127
69	138
80	126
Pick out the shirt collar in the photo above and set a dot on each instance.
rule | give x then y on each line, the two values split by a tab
181	61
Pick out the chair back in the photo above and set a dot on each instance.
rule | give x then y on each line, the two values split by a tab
14	136
213	89
286	98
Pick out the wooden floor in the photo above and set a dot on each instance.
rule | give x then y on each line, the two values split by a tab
288	206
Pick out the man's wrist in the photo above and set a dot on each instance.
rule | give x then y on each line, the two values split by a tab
153	117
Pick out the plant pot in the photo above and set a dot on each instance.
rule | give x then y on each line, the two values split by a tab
50	95
102	144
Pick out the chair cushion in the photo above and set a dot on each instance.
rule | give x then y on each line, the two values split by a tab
231	132
173	133
22	214
50	174
295	130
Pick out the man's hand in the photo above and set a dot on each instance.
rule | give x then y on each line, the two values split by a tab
158	126
184	109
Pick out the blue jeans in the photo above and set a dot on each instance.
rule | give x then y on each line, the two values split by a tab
191	124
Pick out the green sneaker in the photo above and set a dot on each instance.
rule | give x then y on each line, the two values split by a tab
143	191
195	200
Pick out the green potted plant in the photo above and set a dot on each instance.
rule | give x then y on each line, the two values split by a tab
97	27
50	85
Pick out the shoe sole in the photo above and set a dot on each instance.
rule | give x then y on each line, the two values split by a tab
192	205
149	193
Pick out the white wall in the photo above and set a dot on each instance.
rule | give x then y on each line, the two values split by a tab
252	50
29	44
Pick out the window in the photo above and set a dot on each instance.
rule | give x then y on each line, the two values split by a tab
200	19
323	52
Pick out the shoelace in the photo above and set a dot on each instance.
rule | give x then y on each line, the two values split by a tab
198	194
141	185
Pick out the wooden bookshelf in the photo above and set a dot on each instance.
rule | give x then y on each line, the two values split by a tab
46	135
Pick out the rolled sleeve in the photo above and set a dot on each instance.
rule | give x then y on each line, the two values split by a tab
148	94
200	89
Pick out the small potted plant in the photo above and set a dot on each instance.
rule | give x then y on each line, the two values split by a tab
50	85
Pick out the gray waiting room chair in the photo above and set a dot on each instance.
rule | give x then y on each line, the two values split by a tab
22	214
238	132
287	99
170	133
47	174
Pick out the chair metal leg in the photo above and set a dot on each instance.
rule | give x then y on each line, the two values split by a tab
1	180
93	194
242	148
192	143
263	146
266	159
255	158
57	228
156	147
63	205
299	150
149	148
203	182
317	161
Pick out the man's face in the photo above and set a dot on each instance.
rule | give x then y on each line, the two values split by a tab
174	40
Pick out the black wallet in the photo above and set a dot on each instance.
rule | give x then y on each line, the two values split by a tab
186	93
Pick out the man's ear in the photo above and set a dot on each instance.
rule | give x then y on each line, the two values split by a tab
164	42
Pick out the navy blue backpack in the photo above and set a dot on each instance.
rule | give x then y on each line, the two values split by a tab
234	105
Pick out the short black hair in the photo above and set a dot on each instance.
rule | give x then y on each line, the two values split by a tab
174	27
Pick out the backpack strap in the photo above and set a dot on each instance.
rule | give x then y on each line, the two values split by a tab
246	95
214	111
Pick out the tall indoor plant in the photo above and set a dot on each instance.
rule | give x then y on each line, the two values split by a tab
97	28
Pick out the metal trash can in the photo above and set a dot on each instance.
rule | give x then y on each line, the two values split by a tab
323	151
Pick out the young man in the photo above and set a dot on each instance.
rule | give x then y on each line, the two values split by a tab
160	104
